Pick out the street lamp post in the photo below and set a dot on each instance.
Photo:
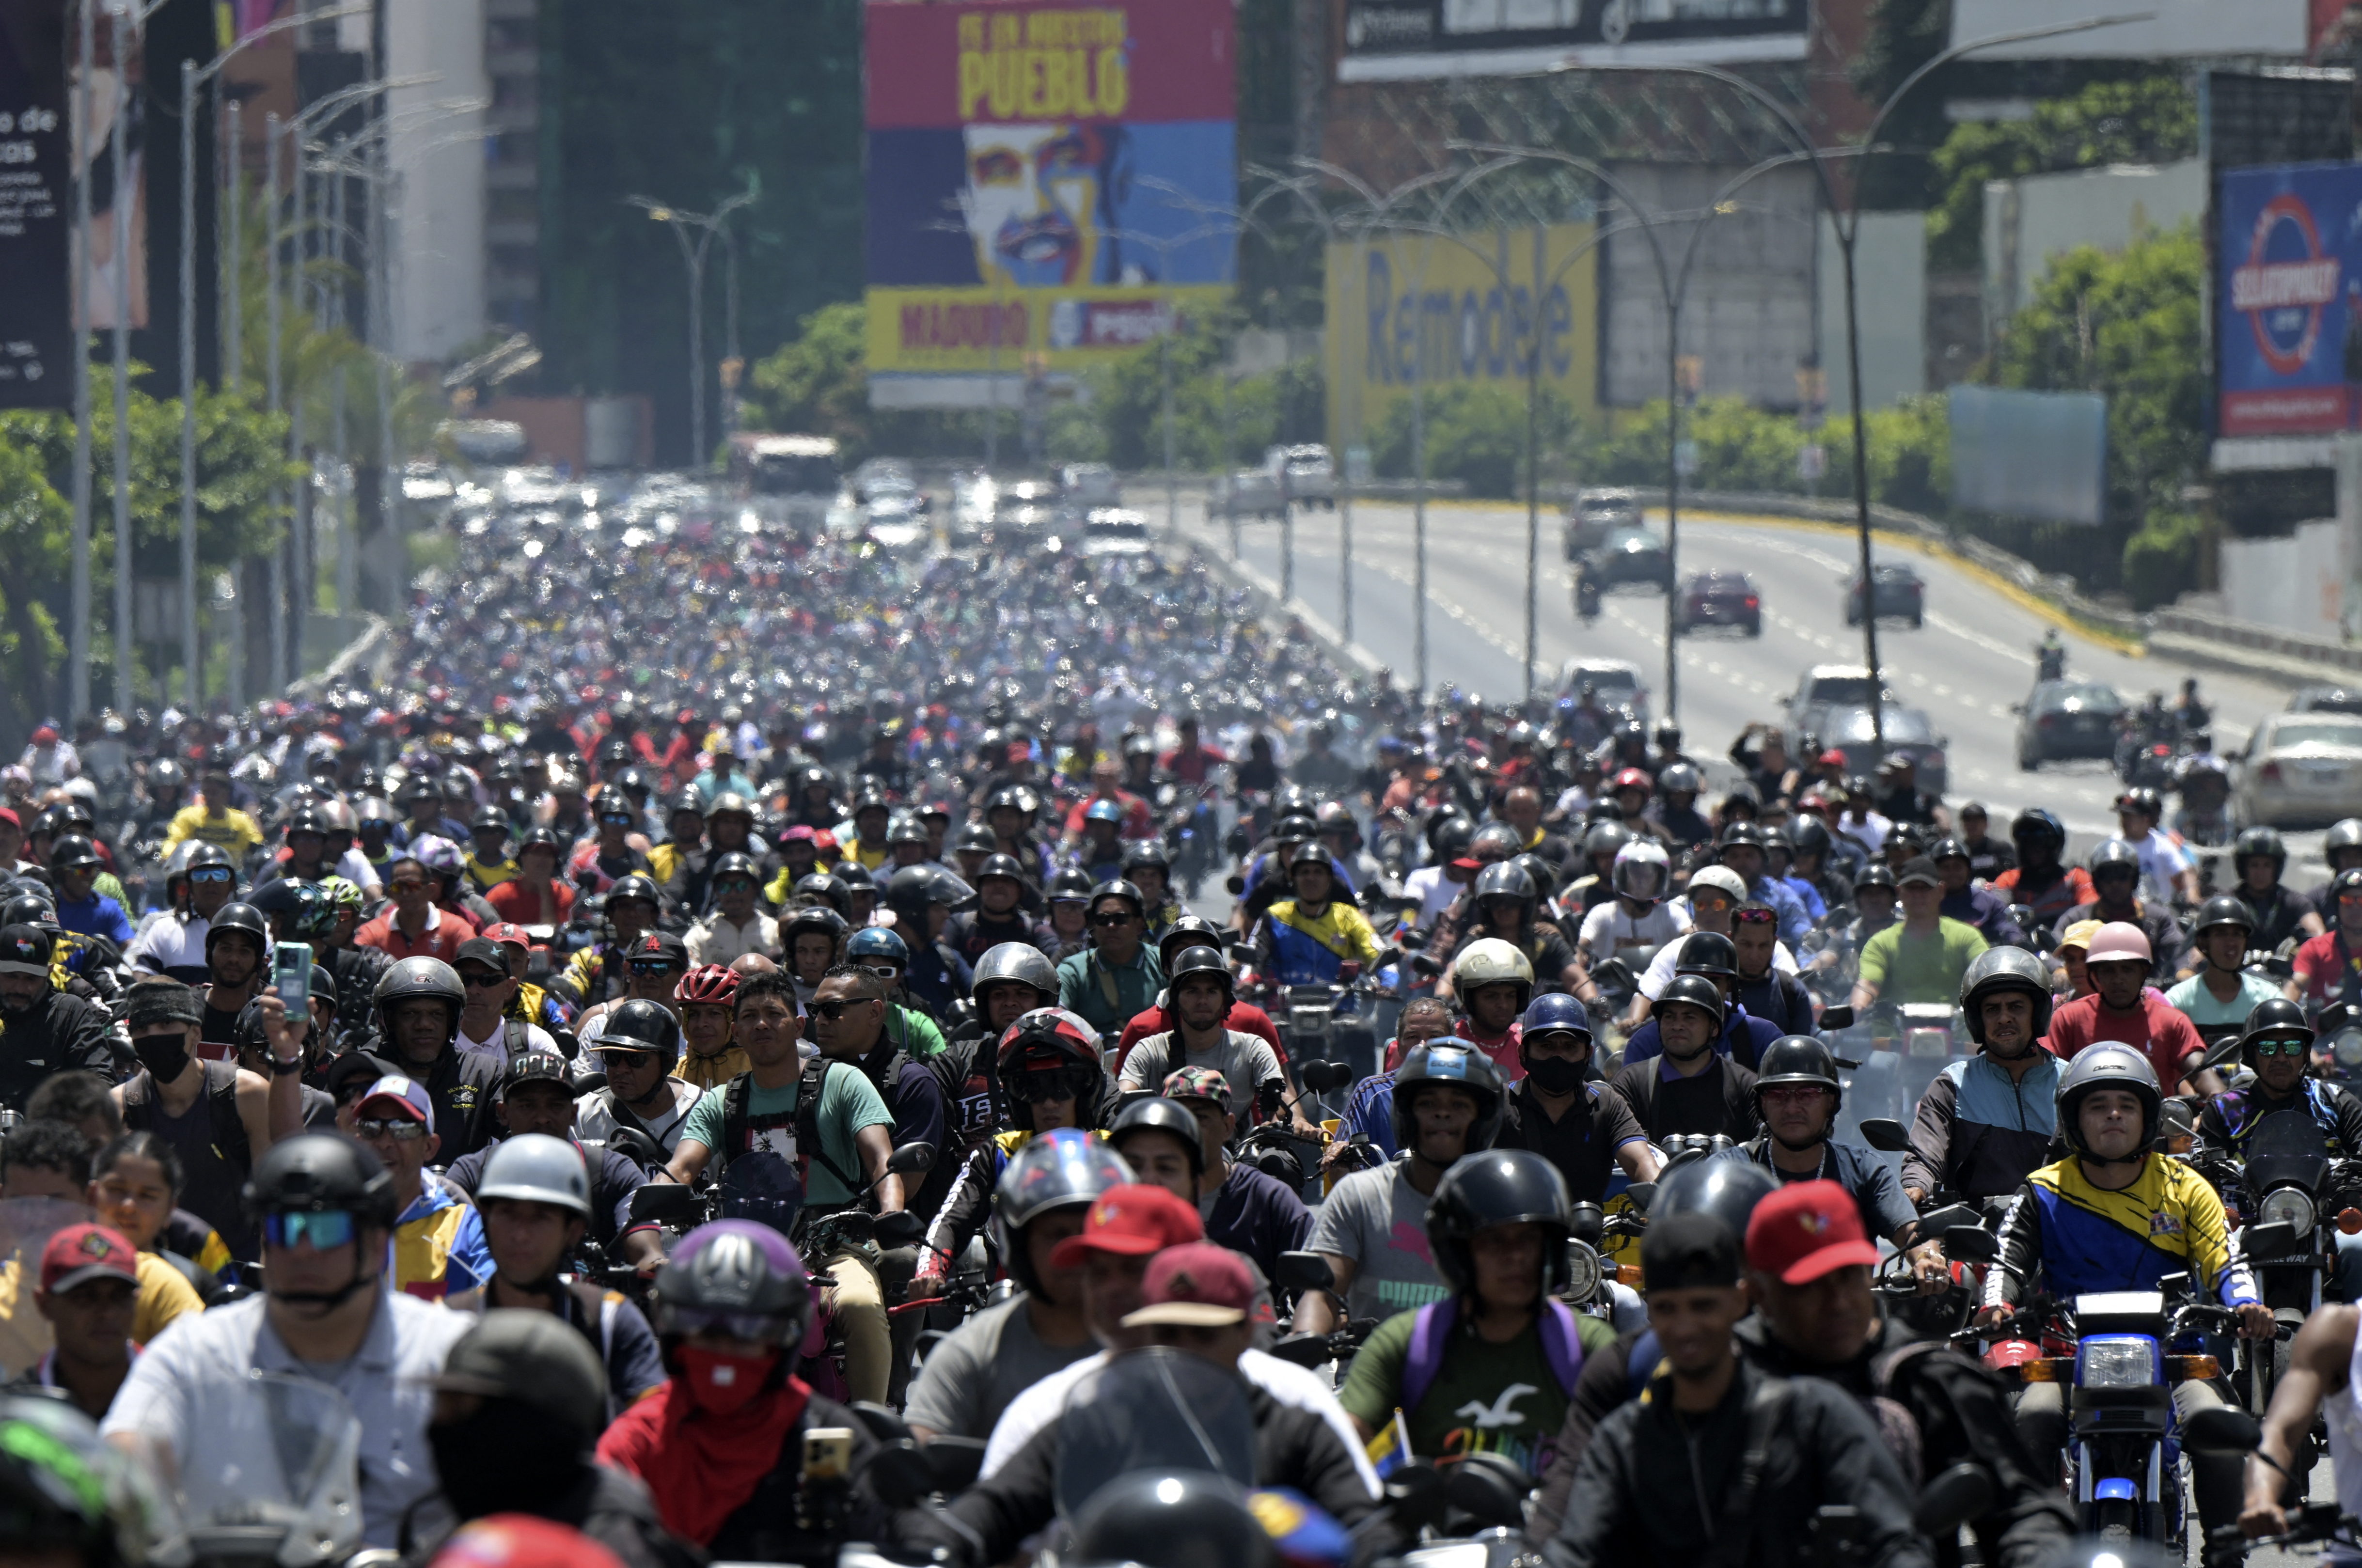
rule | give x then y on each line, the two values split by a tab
693	255
77	635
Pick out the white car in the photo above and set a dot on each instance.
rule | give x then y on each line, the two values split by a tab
2299	769
1089	485
1616	681
1249	493
1113	531
1310	473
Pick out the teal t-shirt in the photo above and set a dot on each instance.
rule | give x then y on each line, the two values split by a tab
848	1102
2193	998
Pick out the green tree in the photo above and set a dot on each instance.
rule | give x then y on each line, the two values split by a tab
817	383
1476	434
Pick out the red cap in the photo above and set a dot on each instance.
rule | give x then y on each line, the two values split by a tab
45	735
1804	1230
508	934
1832	758
521	1541
799	833
1630	778
80	1254
1132	1221
1196	1284
1019	751
9	816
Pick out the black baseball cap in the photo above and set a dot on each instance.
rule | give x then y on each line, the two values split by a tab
1918	868
536	1066
1688	1252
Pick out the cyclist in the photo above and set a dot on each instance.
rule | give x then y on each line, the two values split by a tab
48	1030
1193	931
1581	1125
1811	867
2223	991
1493	982
1118	975
1741	849
736	923
2115	883
999	914
2341	847
2124	1008
1641	914
2326	966
1714	957
630	909
175	943
2115	1216
1922	958
1970	904
2277	1046
637	1050
418	1006
1506	898
814	936
2039	880
1245	1208
1798	1098
438	1240
1985	1124
1447	1102
1691	1088
2259	858
1489	1368
972	1373
2167	873
1200	994
881	953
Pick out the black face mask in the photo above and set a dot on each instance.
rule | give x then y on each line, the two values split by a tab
1555	1074
505	1458
166	1056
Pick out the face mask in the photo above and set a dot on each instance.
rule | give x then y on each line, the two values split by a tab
1555	1074
167	1057
722	1383
502	1459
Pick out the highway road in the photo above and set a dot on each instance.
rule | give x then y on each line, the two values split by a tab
1966	666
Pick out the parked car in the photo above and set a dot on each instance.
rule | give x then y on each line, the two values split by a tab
1594	515
1909	733
895	519
2068	718
1086	485
1719	598
1310	473
1113	531
1900	593
881	474
1616	681
1631	554
1827	686
2326	700
1250	493
2299	769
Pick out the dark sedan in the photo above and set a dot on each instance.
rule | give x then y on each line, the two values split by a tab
1719	598
1631	555
1900	593
2067	718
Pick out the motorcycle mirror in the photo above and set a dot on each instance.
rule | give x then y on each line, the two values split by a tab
1937	1221
1587	1223
1425	967
2221	1429
1305	1271
1951	1499
664	1203
911	1158
1320	1077
1885	1135
1235	884
2223	1050
1309	1352
1643	1194
1971	1243
1415	1496
899	1474
1490	1489
2271	1240
636	1146
2333	1017
885	1424
900	1229
590	1083
956	1461
1838	1017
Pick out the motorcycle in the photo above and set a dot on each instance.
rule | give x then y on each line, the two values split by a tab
1192	831
2294	1199
276	1483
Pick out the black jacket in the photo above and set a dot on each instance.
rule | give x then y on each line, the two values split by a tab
1652	1487
763	1530
57	1032
1294	1448
614	1509
463	1084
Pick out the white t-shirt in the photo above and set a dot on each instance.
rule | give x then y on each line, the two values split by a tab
1870	833
536	1039
1660	969
171	945
1433	890
1608	930
1041	1405
2163	859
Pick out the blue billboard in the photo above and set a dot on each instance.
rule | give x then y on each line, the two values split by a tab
2288	321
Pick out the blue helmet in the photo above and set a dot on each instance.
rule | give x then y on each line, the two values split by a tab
1104	812
1557	1012
878	942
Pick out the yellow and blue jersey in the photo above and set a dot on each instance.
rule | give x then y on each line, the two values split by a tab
2076	1238
437	1248
1308	952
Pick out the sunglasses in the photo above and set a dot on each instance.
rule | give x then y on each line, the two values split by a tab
2283	1047
319	1230
1109	920
884	971
400	1131
476	979
1035	1088
617	1057
735	885
1756	917
833	1010
212	874
656	969
1794	1094
407	885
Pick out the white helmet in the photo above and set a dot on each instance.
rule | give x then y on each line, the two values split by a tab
1640	872
536	1168
1492	962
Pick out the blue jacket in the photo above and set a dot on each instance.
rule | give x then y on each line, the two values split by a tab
97	915
1795	925
1743	1038
1866	1177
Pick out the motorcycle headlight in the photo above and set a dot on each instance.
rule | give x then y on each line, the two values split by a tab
2286	1204
2129	1361
2345	1046
1581	1272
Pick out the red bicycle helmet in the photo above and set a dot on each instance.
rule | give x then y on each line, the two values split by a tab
1050	1031
709	983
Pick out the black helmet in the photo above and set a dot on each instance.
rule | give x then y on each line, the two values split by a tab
2255	841
637	1025
829	888
31	907
2115	855
1187	932
737	863
1067	1168
999	865
2342	835
72	850
2035	826
1146	853
1016	964
239	917
1116	888
1172	1519
1707	953
1447	839
1949	849
1200	961
1727	1189
1807	834
1507	879
1157	1114
200	855
906	829
1495	836
2223	909
1449	1061
1605	838
1742	832
975	838
2141	798
817	918
1698	991
637	885
1071	883
1499	1186
1299	828
537	838
2278	1019
729	1271
322	1172
487	819
419	976
1798	1059
1873	874
2005	969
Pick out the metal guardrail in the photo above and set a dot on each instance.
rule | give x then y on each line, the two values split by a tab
368	650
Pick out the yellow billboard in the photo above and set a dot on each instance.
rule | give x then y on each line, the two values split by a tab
1459	308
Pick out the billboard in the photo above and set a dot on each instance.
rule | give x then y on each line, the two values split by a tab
1047	186
2153	29
36	186
2038	456
1465	311
1413	40
2288	299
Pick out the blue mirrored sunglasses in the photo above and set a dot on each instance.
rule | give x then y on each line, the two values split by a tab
305	1227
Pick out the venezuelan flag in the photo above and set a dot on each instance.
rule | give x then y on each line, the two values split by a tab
1390	1449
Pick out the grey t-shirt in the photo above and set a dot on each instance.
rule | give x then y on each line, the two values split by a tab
986	1362
1378	1220
1245	1061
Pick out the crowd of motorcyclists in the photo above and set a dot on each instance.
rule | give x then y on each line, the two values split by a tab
734	1047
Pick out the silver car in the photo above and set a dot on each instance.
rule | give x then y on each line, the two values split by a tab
2300	768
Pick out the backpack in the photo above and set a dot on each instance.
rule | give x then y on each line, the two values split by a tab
1561	1347
736	1117
221	1088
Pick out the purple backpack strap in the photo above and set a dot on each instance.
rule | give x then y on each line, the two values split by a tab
1429	1333
1561	1346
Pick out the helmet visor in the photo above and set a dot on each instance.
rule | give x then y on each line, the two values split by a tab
1640	881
